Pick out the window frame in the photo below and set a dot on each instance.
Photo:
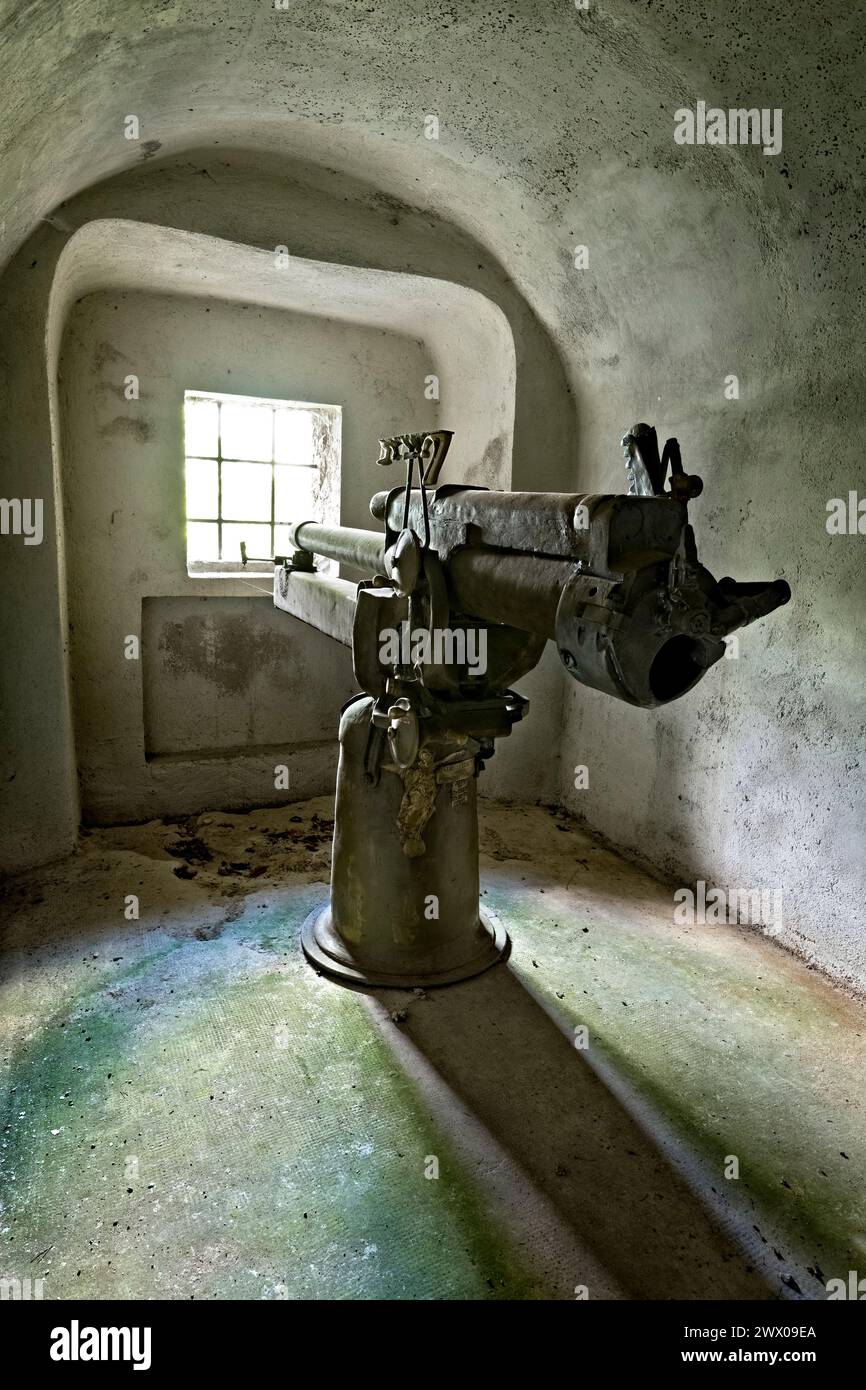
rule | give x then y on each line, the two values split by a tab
226	568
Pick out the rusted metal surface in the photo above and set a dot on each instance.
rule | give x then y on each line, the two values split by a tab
563	524
394	918
613	579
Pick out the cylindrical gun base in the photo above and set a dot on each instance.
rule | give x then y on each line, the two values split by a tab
404	905
327	952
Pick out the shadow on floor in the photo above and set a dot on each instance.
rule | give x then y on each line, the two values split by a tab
497	1050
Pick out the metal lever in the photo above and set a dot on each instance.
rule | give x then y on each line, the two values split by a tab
429	448
292	560
647	469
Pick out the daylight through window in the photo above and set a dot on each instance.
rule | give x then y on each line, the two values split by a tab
250	469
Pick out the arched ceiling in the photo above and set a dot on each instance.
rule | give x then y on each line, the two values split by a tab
555	130
467	336
539	103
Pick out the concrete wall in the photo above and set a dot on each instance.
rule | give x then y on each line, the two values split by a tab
556	130
473	345
225	686
221	669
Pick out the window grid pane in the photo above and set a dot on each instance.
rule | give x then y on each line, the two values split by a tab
204	524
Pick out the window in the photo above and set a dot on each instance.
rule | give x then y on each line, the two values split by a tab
251	467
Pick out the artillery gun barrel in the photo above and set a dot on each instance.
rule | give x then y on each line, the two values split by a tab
637	530
364	550
500	586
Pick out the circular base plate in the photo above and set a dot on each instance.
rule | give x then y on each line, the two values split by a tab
318	940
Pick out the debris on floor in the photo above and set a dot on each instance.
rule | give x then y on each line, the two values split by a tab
190	1111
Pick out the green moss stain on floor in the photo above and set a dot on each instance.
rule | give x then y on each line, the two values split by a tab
210	1120
188	1111
735	1043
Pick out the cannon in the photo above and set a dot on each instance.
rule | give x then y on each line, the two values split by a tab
464	588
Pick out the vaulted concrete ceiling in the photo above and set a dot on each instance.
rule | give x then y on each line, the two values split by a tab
556	130
537	101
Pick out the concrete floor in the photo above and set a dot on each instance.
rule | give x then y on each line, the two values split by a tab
190	1112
